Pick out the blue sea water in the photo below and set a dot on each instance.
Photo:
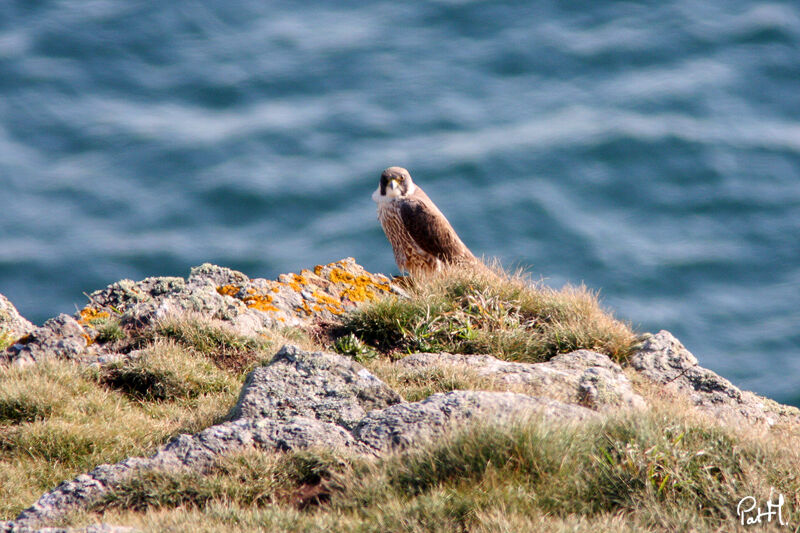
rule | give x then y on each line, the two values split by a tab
648	149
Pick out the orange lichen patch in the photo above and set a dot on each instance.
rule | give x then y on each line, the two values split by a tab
275	289
324	298
89	340
89	314
331	304
338	275
253	299
260	302
304	307
318	270
297	281
361	288
228	290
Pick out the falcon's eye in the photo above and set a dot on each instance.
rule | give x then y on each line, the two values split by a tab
401	178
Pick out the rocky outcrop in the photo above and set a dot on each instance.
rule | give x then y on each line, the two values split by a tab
582	377
664	360
250	305
12	324
304	399
211	292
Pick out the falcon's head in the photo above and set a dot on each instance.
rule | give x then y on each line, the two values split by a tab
395	183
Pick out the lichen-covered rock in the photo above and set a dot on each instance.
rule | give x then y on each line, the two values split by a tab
320	385
12	324
250	305
408	424
583	377
61	337
664	360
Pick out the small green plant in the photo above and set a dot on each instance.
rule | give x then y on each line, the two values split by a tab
355	348
109	330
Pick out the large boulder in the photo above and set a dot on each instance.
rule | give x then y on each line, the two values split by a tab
319	385
409	424
664	360
60	337
583	377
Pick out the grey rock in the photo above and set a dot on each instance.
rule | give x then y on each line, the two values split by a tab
409	424
664	360
319	385
584	377
61	337
12	324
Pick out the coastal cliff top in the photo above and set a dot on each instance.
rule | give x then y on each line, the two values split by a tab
158	395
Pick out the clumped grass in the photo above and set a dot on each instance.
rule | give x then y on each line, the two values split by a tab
59	421
654	471
168	371
249	479
467	311
227	348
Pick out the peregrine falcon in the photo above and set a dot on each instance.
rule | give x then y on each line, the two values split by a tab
421	237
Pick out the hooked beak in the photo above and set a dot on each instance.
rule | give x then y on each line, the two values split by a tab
393	184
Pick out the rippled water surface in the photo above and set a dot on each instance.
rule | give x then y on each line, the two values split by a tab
650	150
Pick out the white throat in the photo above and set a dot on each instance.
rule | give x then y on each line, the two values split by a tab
391	194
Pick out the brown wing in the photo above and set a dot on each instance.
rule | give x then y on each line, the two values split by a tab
430	229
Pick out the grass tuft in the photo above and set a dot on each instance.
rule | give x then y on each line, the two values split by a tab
59	419
464	311
168	371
